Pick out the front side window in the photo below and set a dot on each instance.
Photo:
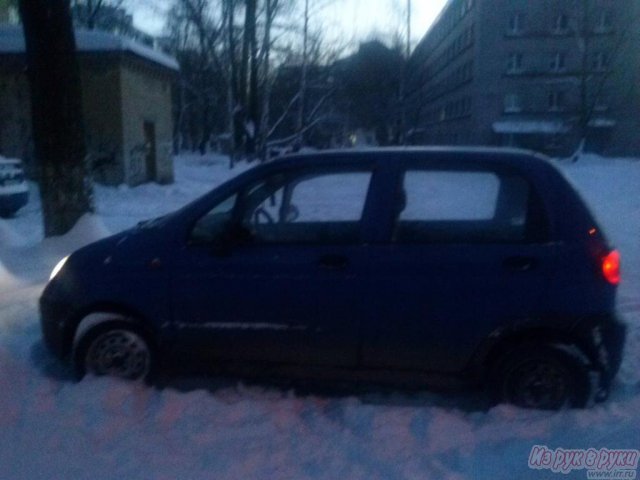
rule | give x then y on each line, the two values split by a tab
311	207
462	207
304	207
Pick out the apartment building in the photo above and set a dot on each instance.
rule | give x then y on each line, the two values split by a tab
538	74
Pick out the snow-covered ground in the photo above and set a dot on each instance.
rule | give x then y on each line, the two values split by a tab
53	428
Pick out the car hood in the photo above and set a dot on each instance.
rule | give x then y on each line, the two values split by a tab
139	246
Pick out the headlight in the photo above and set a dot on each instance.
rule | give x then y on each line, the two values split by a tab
58	267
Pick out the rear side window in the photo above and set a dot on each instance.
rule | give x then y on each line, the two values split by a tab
442	195
466	206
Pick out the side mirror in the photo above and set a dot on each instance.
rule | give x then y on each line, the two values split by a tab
291	213
234	235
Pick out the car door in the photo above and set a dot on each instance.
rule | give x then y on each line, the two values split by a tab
276	271
466	254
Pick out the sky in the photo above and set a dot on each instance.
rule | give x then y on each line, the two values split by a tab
344	21
357	19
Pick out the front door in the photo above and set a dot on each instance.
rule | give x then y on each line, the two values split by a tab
277	271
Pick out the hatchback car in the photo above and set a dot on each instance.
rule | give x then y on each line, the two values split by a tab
482	266
14	191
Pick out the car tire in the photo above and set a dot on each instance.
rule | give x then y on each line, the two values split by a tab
115	348
540	376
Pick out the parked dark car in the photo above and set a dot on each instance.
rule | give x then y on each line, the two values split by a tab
480	265
14	191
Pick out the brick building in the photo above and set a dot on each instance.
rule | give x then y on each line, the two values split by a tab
534	74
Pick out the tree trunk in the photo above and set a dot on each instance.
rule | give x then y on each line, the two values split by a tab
249	77
232	82
585	73
270	8
56	113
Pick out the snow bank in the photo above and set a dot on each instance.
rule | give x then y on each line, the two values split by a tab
7	280
9	237
88	229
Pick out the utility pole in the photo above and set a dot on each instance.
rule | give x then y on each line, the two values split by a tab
303	79
402	136
408	28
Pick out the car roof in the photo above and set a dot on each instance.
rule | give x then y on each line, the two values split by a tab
525	158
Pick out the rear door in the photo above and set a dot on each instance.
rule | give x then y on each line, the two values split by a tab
466	253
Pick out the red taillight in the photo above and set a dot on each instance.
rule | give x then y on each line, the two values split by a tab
611	267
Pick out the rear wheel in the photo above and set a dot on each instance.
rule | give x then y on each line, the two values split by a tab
543	376
115	348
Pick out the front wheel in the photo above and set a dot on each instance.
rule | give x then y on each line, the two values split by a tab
544	376
118	349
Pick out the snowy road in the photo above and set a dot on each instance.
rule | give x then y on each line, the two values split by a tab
52	428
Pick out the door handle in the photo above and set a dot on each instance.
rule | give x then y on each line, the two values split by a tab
520	264
333	262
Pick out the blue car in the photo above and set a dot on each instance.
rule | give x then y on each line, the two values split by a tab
445	265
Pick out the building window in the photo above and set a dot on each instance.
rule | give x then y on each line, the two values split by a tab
600	104
555	101
603	21
561	24
514	64
516	24
512	103
558	62
600	62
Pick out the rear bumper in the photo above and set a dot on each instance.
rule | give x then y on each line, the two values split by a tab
605	338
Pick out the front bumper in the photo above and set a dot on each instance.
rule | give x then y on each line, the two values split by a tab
56	331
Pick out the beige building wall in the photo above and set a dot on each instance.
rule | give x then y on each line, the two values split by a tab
102	100
127	112
15	116
146	119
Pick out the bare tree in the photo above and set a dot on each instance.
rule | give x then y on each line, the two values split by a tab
303	76
87	12
271	8
197	35
233	40
56	112
310	10
599	60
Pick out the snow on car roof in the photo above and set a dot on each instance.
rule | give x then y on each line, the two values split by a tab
12	41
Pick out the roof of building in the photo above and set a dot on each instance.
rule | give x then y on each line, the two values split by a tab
90	41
